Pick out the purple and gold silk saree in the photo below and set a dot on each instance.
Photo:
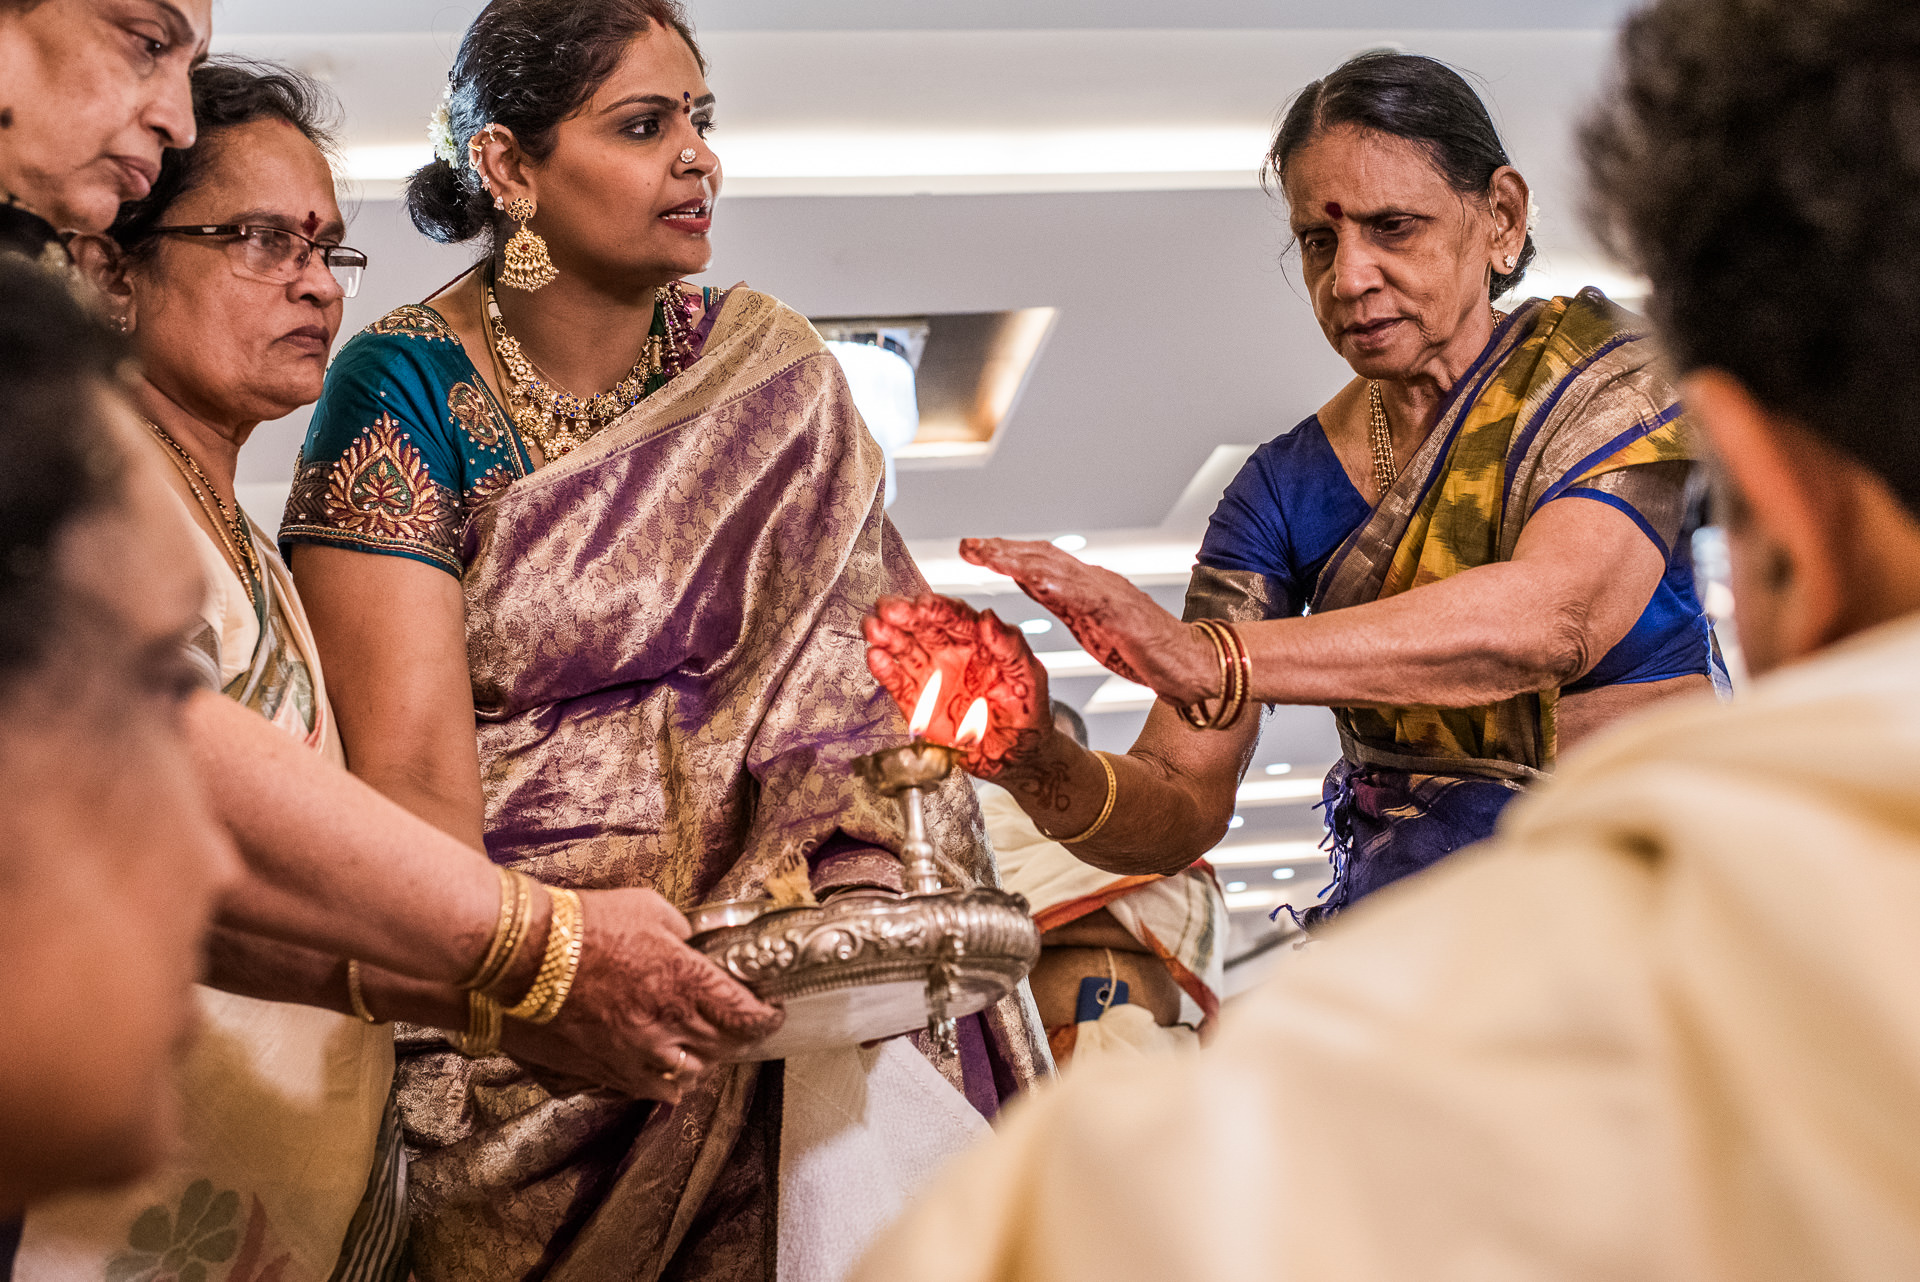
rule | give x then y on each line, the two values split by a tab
669	679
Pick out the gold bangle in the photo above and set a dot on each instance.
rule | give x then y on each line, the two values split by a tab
1196	713
355	998
1106	811
520	921
1236	678
498	954
482	1037
560	963
1242	673
570	966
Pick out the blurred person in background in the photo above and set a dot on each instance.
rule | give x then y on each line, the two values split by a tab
1127	964
1663	1025
109	859
1476	553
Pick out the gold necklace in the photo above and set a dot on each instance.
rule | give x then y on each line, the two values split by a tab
236	539
558	421
1380	435
1380	440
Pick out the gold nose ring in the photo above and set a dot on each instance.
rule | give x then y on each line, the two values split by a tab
687	156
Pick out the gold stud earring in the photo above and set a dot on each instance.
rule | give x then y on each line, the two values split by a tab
528	266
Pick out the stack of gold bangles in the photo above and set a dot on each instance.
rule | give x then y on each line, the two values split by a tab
559	964
1236	677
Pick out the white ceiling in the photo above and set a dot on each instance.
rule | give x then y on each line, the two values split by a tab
452	16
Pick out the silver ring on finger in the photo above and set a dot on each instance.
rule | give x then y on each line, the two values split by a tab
673	1074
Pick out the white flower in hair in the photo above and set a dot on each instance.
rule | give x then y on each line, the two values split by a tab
440	130
1533	213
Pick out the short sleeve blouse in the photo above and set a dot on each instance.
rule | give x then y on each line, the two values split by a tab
406	441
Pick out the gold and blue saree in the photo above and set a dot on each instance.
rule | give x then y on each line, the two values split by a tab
1567	401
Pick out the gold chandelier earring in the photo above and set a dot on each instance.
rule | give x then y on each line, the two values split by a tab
528	266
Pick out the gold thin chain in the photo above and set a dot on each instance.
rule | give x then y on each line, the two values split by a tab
1380	433
236	538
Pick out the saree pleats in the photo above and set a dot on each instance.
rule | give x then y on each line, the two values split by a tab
670	680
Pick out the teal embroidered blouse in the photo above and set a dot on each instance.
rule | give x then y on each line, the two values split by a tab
407	441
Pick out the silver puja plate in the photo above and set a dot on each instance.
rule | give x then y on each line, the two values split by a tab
871	964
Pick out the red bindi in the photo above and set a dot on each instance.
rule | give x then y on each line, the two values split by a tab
1334	211
312	224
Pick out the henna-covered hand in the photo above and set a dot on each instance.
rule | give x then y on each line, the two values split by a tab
1115	622
641	998
977	657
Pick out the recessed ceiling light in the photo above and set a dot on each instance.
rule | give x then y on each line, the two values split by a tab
1070	542
1280	768
1283	874
1037	627
1236	821
1235	887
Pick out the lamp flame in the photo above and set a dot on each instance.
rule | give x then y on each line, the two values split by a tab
923	710
973	726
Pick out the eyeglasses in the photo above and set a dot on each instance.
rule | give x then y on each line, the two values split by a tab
276	255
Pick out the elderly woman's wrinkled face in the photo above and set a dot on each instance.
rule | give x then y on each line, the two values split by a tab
1396	259
109	859
230	348
91	92
616	201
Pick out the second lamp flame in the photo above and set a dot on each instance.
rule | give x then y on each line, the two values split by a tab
923	710
973	726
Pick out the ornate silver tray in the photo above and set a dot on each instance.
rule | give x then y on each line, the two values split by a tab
870	964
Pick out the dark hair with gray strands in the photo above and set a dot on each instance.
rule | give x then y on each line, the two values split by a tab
1409	96
227	92
1759	161
61	462
526	65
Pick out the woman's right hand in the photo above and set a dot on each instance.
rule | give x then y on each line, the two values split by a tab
641	998
978	657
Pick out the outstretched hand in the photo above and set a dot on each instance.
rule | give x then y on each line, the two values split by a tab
1115	622
641	998
977	657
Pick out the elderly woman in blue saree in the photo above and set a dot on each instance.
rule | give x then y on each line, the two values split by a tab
615	640
1476	553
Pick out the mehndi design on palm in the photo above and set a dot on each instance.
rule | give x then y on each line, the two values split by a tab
1114	621
977	656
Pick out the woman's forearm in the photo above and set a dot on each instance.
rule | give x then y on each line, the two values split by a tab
1581	575
270	970
1172	794
1475	638
330	863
